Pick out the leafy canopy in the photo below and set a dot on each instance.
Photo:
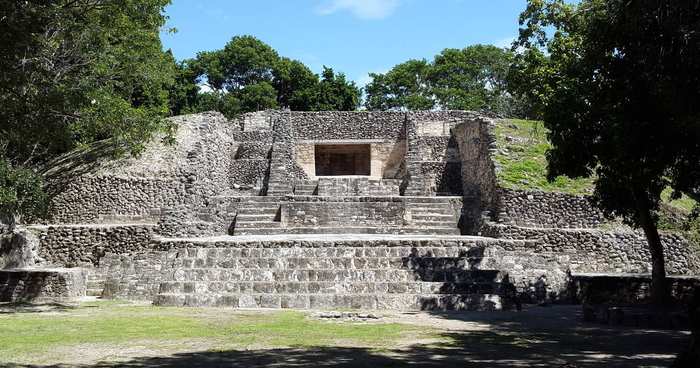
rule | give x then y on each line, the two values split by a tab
248	75
617	85
72	72
473	78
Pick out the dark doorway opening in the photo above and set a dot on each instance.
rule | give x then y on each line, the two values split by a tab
343	159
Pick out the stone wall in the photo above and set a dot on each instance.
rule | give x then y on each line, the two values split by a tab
601	251
84	245
112	199
348	125
440	123
21	285
477	145
334	187
624	289
536	208
90	189
249	174
134	276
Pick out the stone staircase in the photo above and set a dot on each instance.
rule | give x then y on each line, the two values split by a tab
261	215
306	187
258	216
321	276
94	285
432	213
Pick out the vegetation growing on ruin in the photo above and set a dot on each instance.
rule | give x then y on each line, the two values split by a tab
522	164
522	161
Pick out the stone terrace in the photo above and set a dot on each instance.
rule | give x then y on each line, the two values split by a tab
319	210
319	271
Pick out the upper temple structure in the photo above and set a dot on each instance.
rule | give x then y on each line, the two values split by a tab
286	209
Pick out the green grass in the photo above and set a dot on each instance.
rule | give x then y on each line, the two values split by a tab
686	203
35	334
522	159
294	329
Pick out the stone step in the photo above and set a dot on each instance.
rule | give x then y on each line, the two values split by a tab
335	275
310	287
339	263
337	251
261	199
258	210
261	224
434	223
93	292
94	277
430	207
306	188
480	302
427	200
255	217
422	216
95	283
451	230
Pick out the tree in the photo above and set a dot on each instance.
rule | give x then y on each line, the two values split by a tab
334	93
21	194
618	88
291	79
243	61
183	94
74	71
248	75
473	78
405	87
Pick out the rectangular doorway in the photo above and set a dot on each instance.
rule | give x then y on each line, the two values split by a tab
343	159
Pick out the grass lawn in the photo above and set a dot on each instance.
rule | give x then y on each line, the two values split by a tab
123	334
39	334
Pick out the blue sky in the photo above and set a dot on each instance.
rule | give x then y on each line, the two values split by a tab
355	37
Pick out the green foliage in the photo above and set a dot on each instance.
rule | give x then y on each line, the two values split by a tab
469	79
72	72
405	87
183	93
248	75
21	193
334	92
617	88
615	95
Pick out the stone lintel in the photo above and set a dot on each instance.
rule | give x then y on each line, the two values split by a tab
342	141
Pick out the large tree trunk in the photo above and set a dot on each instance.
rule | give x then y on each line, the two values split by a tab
689	357
660	295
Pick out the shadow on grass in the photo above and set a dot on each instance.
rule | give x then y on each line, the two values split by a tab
33	307
535	337
483	349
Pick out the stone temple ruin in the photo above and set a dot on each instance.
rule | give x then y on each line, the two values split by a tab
283	209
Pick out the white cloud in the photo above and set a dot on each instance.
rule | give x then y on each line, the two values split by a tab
504	42
363	9
363	81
